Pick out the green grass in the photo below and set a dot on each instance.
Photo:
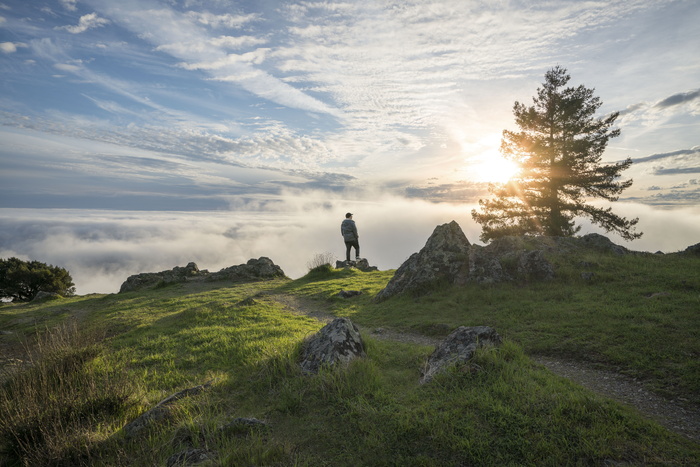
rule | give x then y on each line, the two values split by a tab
129	351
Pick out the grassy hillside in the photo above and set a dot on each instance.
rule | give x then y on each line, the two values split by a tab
99	361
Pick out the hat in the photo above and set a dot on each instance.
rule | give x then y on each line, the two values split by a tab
348	214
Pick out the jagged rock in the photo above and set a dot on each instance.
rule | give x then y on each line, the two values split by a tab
242	427
255	269
161	413
190	456
532	265
458	347
361	264
601	242
693	249
338	342
42	296
444	258
349	293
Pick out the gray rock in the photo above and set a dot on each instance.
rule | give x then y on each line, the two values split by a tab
190	456
532	265
603	243
587	276
349	293
161	413
444	258
693	249
255	269
242	427
458	348
44	296
338	342
361	264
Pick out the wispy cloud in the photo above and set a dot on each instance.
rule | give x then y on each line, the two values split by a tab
89	21
11	47
677	99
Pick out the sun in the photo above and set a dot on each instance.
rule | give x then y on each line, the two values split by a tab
494	168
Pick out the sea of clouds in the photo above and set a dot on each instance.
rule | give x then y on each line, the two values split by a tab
102	248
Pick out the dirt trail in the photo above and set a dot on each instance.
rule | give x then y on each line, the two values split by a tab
677	416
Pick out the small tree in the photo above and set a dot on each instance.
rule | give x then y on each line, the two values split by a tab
559	149
22	280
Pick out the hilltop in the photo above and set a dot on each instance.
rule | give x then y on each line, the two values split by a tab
228	351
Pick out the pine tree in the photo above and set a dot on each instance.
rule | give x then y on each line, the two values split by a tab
558	149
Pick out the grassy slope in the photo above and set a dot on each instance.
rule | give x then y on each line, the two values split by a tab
503	409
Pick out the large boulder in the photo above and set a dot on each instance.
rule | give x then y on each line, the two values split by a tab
443	259
458	348
338	342
150	279
254	270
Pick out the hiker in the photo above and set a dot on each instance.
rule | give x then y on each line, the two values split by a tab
349	232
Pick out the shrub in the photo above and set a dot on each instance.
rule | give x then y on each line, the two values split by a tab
321	259
22	280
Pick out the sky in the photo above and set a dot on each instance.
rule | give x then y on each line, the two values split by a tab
139	135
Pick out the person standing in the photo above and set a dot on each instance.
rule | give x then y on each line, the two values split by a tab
349	231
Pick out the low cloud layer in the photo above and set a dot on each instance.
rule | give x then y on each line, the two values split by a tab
102	248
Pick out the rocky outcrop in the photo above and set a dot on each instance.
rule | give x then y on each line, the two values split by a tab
361	264
449	258
255	269
693	250
338	342
161	413
444	258
458	348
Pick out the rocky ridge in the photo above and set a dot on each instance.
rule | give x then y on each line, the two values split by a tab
449	258
255	269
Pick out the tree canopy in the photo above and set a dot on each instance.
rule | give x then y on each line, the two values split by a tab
559	147
23	280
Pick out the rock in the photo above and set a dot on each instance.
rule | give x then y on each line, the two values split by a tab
444	258
255	269
242	427
458	347
338	342
587	276
361	264
532	265
161	413
43	296
151	279
603	243
349	293
693	249
190	456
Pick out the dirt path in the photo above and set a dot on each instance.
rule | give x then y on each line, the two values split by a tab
677	416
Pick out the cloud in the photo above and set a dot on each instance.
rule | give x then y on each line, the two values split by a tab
676	170
11	47
677	99
69	5
673	154
89	21
102	248
226	20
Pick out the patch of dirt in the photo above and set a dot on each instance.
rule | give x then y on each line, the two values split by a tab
678	416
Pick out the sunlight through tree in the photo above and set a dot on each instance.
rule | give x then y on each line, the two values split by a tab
559	149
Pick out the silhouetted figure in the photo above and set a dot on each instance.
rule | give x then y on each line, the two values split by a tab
349	231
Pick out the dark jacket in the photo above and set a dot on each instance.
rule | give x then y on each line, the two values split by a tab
349	230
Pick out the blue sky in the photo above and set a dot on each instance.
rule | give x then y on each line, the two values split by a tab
257	110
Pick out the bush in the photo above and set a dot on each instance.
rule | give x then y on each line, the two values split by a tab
321	259
22	280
